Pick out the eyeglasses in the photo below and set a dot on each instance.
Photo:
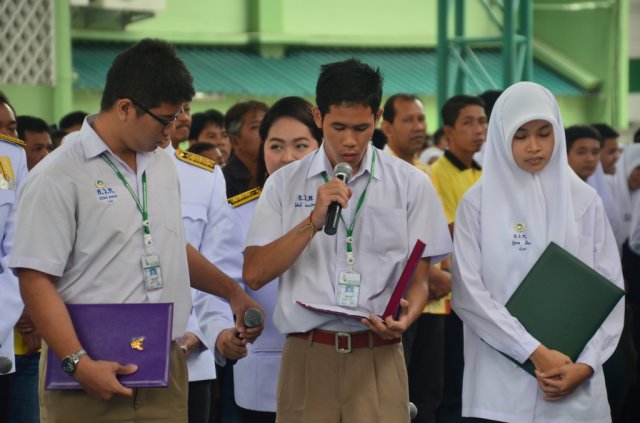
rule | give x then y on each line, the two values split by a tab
165	122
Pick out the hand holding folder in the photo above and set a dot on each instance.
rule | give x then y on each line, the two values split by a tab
562	302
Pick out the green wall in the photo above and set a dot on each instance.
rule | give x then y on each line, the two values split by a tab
595	40
271	25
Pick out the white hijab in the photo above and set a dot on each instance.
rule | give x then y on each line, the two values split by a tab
516	203
624	198
599	182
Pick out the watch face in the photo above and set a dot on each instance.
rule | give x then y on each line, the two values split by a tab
68	366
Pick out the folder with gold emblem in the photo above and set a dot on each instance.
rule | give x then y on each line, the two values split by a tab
125	333
562	302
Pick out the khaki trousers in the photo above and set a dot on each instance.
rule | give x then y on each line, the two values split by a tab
317	384
166	405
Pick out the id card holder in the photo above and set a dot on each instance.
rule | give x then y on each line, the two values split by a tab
152	272
348	289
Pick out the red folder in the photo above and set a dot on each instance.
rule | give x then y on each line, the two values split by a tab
126	333
393	306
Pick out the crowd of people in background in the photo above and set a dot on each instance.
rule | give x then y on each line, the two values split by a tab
236	178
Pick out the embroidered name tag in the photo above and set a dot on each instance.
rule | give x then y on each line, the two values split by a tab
305	200
106	195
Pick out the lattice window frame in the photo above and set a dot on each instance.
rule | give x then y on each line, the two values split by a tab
27	42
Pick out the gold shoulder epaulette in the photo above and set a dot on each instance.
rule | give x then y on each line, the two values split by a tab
195	159
245	197
12	140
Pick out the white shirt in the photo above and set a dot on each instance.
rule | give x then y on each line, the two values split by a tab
10	301
401	206
78	222
494	387
256	376
207	224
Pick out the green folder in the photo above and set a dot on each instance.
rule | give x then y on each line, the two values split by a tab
562	302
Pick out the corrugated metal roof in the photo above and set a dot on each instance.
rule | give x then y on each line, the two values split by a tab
241	71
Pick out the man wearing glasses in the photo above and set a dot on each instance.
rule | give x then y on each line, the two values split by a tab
115	200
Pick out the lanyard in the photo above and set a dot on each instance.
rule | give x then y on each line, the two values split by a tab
350	257
146	227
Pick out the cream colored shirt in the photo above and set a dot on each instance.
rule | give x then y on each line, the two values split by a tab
78	222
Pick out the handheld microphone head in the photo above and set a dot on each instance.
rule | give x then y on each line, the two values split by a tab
413	411
253	317
343	171
5	365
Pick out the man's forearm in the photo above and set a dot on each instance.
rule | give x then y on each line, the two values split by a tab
48	311
264	264
418	291
206	277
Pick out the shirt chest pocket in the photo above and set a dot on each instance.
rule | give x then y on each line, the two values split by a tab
384	231
195	220
7	198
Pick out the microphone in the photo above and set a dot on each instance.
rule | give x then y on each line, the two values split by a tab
413	411
252	318
5	365
342	171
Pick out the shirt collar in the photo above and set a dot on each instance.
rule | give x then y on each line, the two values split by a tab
94	145
320	163
458	163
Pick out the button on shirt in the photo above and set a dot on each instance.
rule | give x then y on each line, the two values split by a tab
78	222
401	206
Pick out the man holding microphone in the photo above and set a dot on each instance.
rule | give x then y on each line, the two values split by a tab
353	370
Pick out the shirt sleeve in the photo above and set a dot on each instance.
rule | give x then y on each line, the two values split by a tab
471	300
606	262
426	218
266	225
218	316
46	226
221	238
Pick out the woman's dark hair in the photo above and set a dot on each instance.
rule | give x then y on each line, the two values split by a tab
294	107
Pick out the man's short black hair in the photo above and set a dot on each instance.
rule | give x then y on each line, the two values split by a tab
437	136
150	73
201	147
349	83
378	139
201	120
576	132
31	124
452	107
489	97
72	119
389	113
605	131
4	99
234	117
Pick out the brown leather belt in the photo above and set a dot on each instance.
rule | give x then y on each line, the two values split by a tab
345	341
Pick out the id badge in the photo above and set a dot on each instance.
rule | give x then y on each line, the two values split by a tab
348	289
151	271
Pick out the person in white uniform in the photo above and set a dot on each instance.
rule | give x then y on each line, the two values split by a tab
114	199
13	172
208	228
527	187
353	369
288	133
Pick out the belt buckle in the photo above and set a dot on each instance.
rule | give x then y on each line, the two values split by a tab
340	335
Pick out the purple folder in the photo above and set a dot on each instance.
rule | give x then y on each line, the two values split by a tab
126	333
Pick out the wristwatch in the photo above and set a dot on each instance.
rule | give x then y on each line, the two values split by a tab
70	362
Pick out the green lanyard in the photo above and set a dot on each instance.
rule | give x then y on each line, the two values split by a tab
146	227
350	258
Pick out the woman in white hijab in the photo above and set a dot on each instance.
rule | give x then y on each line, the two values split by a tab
527	197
